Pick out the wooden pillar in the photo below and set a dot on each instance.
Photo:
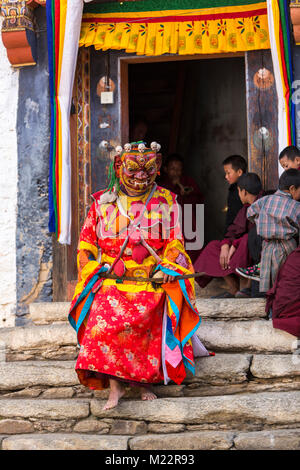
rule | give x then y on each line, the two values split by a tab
262	111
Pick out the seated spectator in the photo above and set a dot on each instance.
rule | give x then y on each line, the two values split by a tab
277	220
283	300
220	258
234	166
290	158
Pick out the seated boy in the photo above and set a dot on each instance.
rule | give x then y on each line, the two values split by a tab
221	258
290	158
277	219
234	166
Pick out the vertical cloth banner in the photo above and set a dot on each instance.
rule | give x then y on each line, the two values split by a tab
280	40
63	31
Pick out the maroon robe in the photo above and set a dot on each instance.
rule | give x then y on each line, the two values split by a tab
284	297
237	234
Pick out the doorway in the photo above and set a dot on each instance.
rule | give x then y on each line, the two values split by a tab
196	108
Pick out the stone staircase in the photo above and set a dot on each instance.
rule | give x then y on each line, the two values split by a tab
245	397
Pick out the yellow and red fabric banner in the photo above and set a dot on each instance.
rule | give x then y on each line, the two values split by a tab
177	27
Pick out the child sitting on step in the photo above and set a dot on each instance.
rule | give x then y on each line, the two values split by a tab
221	258
277	219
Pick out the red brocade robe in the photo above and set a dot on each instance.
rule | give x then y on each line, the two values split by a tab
128	330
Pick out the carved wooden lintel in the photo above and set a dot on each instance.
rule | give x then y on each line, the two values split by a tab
18	30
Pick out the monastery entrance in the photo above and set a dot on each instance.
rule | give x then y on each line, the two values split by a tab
196	108
203	107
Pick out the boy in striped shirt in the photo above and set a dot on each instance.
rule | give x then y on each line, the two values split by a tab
277	219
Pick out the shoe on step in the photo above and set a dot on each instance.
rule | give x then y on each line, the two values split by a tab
224	295
243	293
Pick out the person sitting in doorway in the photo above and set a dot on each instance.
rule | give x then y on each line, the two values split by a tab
187	191
221	258
234	166
277	220
290	158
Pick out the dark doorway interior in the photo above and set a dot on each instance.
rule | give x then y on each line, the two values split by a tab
198	109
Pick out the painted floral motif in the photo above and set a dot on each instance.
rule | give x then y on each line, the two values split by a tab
250	38
118	38
133	39
222	27
232	40
241	26
198	41
111	28
127	28
161	29
152	43
256	23
263	35
190	29
181	43
205	28
142	30
214	41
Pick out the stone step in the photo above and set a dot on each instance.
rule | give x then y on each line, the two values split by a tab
222	369
58	341
283	439
218	309
244	412
58	379
223	374
31	342
65	442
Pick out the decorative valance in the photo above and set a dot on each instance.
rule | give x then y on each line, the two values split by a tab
178	27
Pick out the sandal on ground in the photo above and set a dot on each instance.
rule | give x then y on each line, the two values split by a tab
243	293
224	295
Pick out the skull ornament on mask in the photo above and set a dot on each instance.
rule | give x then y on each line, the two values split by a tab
137	169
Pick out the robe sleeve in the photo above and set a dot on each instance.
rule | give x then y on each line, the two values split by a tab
238	228
254	210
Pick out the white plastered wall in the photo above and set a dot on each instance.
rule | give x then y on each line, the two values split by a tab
8	187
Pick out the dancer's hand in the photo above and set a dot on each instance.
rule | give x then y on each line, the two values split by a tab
224	255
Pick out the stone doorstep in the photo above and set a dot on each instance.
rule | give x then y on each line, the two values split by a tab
222	369
51	312
234	336
283	439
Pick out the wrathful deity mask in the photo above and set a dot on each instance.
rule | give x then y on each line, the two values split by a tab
137	167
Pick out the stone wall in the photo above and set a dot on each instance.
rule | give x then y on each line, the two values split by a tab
8	187
34	243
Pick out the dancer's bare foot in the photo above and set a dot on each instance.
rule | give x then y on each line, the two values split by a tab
116	392
146	394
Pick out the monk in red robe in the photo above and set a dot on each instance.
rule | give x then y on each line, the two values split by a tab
221	258
283	300
134	332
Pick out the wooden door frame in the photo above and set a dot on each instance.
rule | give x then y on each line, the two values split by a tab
123	79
